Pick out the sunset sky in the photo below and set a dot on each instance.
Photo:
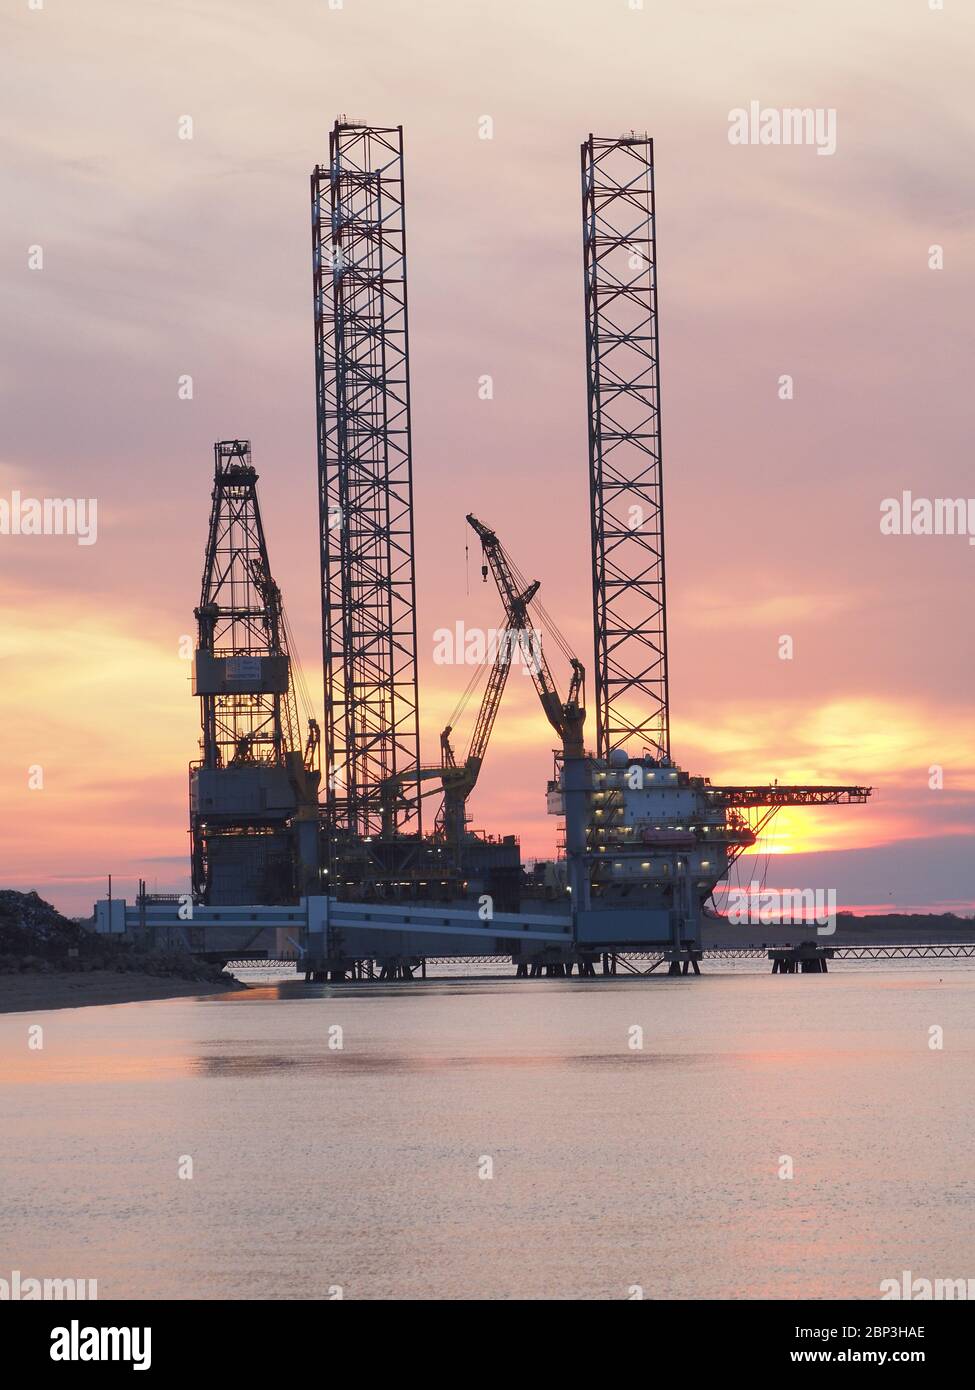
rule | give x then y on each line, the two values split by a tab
164	256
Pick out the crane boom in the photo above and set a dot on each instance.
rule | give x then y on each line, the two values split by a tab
567	716
491	703
459	782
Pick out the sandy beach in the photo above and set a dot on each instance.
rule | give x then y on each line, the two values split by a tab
34	993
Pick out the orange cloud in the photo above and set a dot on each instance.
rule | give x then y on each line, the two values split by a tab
101	720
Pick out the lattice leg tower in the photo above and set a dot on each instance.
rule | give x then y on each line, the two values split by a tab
365	481
626	488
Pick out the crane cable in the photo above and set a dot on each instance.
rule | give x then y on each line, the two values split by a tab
302	693
472	684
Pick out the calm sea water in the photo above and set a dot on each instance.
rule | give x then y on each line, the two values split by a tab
315	1167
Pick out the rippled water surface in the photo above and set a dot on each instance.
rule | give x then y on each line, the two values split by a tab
613	1166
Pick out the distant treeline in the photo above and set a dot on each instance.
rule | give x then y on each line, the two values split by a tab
949	921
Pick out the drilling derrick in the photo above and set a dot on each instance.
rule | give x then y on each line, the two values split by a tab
254	791
626	485
659	840
365	492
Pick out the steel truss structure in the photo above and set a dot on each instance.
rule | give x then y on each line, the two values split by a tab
365	480
240	618
776	796
253	793
626	490
961	950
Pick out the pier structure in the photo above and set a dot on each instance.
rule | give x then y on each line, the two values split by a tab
327	939
807	958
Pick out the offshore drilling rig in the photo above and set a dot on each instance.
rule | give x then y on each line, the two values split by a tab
254	791
657	840
645	842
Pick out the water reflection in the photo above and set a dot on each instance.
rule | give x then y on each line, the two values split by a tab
612	1166
261	1064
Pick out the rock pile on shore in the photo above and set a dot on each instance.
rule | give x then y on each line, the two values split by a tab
35	937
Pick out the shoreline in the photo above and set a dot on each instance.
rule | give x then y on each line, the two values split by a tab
64	989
